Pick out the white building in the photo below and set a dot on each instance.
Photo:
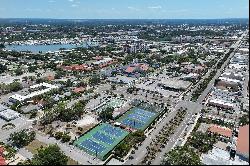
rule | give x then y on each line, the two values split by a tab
45	87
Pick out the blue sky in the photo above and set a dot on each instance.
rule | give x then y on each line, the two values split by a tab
124	9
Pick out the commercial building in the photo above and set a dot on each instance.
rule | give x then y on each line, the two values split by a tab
221	103
38	89
104	62
9	114
174	84
222	131
242	147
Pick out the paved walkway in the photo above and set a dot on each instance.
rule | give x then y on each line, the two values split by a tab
25	153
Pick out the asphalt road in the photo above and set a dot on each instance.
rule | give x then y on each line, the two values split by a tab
218	73
141	152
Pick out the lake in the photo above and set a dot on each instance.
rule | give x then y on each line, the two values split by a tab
45	48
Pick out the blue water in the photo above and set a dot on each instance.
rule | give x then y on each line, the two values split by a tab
43	48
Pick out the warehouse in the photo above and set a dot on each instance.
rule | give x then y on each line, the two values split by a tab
40	89
174	84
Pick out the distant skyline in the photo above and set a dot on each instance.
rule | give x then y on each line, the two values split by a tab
124	9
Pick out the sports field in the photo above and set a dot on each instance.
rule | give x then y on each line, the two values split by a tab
138	118
101	140
115	103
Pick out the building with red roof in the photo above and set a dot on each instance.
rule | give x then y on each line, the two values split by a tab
2	160
222	131
242	147
79	89
138	67
76	67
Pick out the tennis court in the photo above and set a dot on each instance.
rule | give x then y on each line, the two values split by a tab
115	103
138	118
101	140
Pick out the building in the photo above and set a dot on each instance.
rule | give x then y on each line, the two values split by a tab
227	83
193	69
2	159
222	131
79	89
76	67
219	156
9	114
242	147
122	80
104	62
37	90
174	84
136	68
221	103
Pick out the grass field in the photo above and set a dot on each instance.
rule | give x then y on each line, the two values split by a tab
34	145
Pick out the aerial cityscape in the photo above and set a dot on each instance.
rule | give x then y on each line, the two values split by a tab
109	82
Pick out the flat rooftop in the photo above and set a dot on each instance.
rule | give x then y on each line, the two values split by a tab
220	157
175	83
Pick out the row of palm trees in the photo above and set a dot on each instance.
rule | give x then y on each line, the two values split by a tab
162	138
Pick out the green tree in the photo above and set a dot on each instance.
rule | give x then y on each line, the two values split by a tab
107	114
18	71
22	138
66	138
58	135
202	141
182	156
244	120
113	87
50	155
2	68
94	80
15	86
2	46
32	68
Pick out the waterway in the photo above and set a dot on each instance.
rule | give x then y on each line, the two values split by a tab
46	48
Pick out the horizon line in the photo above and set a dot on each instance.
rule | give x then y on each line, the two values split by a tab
126	18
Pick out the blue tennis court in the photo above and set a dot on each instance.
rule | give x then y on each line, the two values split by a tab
93	146
101	140
113	131
145	113
137	118
132	123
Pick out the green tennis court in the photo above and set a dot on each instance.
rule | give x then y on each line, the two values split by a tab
101	140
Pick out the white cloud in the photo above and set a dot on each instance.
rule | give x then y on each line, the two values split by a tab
154	7
71	0
133	8
176	11
33	10
74	5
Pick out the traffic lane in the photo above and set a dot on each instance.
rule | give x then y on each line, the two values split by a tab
172	140
141	152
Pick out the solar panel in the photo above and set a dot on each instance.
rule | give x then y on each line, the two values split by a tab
103	138
93	146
